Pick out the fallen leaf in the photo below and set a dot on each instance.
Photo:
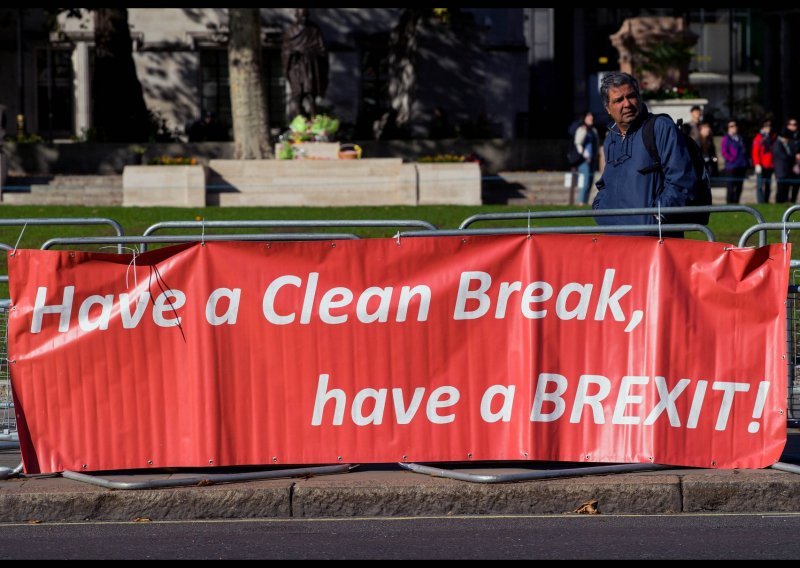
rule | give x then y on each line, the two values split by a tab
588	508
141	520
34	522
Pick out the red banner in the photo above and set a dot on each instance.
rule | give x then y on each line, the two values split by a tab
575	348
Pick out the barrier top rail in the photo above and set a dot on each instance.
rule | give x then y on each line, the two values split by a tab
65	221
582	229
196	238
269	223
768	227
789	211
608	212
3	246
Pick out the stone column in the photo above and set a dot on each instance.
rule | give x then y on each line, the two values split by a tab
82	87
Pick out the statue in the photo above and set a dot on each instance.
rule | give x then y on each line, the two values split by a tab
305	62
657	50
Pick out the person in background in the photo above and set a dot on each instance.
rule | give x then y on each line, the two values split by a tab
587	141
783	154
692	128
792	131
207	129
440	126
793	138
762	160
735	155
709	150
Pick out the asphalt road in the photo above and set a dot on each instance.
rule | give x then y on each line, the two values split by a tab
579	537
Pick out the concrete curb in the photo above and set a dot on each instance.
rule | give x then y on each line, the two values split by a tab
402	493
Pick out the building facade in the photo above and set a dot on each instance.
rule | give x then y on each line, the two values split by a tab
493	72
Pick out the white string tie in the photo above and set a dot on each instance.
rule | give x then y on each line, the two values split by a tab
19	239
660	238
135	252
785	234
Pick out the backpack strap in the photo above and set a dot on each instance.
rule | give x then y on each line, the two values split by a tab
649	140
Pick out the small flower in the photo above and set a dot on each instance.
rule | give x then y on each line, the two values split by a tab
173	161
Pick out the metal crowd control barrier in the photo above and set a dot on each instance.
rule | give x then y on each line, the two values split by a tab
792	316
8	421
195	238
206	478
542	474
65	221
580	229
793	347
767	227
613	212
794	387
3	246
283	224
789	211
430	230
212	478
530	475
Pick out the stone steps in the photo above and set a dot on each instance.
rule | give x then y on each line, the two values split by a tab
548	188
65	190
519	188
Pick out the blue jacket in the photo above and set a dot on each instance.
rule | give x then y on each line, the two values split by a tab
622	186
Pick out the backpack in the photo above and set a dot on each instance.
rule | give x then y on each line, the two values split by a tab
573	127
574	158
702	188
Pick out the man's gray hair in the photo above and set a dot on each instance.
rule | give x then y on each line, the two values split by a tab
615	80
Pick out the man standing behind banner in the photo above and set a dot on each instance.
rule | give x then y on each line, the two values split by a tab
629	179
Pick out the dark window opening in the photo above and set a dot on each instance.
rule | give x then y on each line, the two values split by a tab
374	73
55	104
215	94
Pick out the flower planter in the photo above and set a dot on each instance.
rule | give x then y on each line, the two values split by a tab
449	183
313	150
307	183
166	186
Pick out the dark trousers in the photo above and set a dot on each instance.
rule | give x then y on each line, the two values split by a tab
764	185
787	191
735	182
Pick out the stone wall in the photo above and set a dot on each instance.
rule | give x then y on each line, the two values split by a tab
85	158
287	183
166	186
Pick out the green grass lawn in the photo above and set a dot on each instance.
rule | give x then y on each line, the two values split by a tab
727	227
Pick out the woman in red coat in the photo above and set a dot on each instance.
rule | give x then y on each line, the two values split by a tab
762	160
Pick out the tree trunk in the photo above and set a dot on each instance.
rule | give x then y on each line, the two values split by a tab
120	113
248	101
402	58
